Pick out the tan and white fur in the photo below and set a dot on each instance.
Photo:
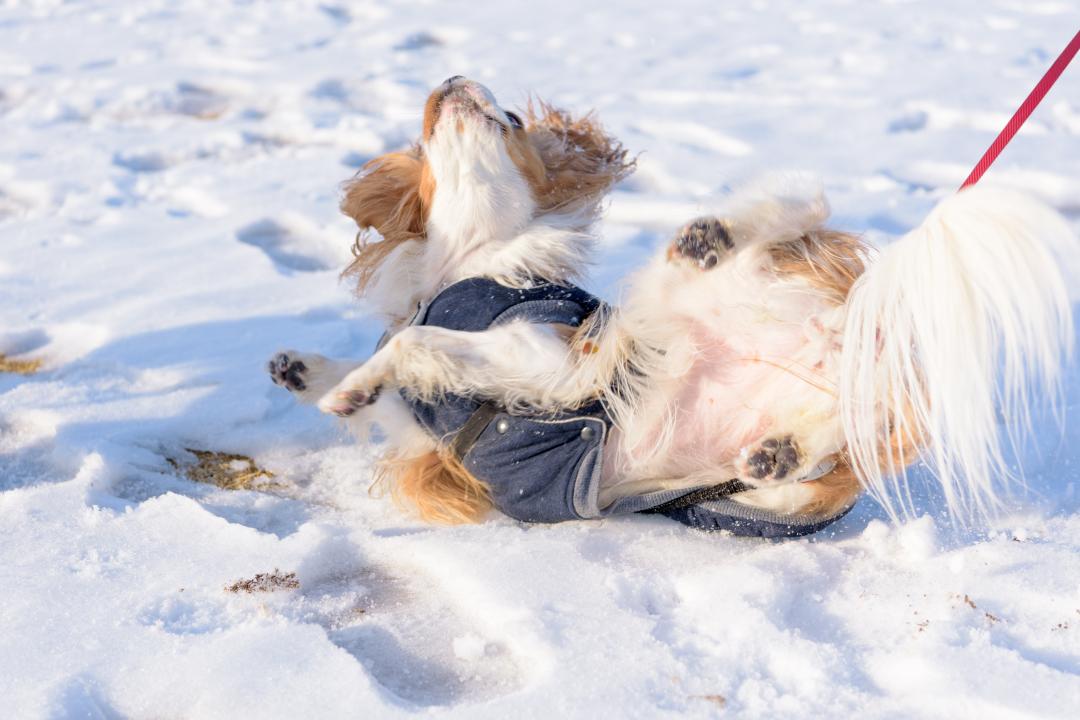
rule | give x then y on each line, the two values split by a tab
758	345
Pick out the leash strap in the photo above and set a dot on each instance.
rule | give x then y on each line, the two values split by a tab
714	492
1024	111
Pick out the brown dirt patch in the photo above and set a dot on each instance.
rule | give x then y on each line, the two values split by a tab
19	367
228	471
265	582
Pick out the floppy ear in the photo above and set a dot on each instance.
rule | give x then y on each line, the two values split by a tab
386	195
391	195
582	160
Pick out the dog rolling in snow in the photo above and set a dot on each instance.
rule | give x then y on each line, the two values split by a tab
758	374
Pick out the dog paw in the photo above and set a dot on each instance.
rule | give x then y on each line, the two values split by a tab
345	403
703	242
772	459
288	371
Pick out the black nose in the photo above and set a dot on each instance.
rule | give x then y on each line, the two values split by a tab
452	78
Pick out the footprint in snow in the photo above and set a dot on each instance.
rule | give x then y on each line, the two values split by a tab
84	697
405	630
144	161
913	121
415	645
44	349
295	244
419	41
28	451
253	499
196	101
26	465
339	13
405	634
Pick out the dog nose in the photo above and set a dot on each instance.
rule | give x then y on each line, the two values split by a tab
450	80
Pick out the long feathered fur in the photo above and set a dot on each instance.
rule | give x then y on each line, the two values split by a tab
957	326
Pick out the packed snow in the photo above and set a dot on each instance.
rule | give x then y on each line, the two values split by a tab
169	178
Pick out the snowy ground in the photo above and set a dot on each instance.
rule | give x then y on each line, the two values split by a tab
168	186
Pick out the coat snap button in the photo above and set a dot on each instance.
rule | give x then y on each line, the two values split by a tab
502	426
587	433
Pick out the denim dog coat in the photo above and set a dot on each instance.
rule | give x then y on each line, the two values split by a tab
546	468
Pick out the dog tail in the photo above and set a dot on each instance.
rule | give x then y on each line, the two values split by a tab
955	329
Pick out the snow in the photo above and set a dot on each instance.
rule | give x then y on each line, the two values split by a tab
169	175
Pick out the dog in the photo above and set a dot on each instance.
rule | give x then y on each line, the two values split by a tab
760	356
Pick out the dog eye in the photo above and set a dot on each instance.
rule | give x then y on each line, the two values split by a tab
515	120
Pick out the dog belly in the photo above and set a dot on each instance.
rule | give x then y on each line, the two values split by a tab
720	413
731	397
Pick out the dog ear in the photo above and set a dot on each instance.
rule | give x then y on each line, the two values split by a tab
391	195
582	160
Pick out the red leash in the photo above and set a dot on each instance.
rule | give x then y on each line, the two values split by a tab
1024	112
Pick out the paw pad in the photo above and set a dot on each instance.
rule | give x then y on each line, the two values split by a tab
287	372
348	402
703	242
774	459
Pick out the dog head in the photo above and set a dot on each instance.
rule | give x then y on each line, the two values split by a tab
479	179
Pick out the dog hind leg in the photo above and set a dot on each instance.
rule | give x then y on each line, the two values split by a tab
703	242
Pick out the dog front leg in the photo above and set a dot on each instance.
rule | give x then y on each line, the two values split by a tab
306	375
518	364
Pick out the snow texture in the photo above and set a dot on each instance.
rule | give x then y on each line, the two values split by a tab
169	177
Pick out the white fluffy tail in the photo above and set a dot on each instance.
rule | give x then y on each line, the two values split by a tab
962	321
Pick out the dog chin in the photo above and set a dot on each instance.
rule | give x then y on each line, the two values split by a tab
467	108
465	126
464	108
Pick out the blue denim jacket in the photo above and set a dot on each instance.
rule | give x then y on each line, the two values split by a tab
546	468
